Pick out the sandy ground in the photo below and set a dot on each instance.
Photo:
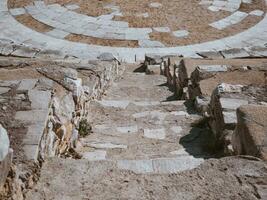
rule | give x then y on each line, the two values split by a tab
30	22
229	178
101	42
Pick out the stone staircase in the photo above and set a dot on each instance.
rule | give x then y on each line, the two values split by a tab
143	145
138	128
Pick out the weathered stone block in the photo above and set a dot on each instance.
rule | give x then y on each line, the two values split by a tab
250	135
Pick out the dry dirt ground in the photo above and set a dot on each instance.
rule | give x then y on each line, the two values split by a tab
177	15
227	178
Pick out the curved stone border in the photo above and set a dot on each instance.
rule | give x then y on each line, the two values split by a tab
19	34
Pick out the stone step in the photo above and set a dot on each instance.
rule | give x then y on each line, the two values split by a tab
160	165
124	103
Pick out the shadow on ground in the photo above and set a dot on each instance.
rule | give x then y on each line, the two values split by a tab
199	143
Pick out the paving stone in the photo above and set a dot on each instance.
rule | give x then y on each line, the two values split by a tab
57	33
174	165
213	8
108	145
235	53
137	166
235	18
150	43
27	84
39	99
257	13
179	113
95	155
127	129
180	33
162	29
145	15
117	104
232	103
146	103
17	11
155	133
32	116
72	6
155	5
160	165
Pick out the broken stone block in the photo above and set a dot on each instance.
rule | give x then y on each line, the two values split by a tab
225	99
206	71
250	135
211	55
153	69
153	59
235	53
61	75
180	79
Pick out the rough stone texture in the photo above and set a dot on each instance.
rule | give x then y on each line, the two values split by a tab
5	156
42	109
250	135
4	143
224	102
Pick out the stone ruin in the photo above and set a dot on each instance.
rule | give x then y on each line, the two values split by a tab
229	94
73	113
44	111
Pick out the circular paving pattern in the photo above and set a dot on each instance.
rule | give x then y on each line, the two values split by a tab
137	27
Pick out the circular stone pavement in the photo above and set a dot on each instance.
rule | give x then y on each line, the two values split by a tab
132	29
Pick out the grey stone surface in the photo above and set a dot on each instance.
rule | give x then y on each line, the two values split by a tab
17	11
40	100
257	13
95	155
150	43
127	129
160	165
72	6
57	33
137	166
4	143
52	47
108	145
27	84
162	29
180	33
232	103
159	134
4	90
235	53
117	104
155	5
32	116
31	151
235	18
